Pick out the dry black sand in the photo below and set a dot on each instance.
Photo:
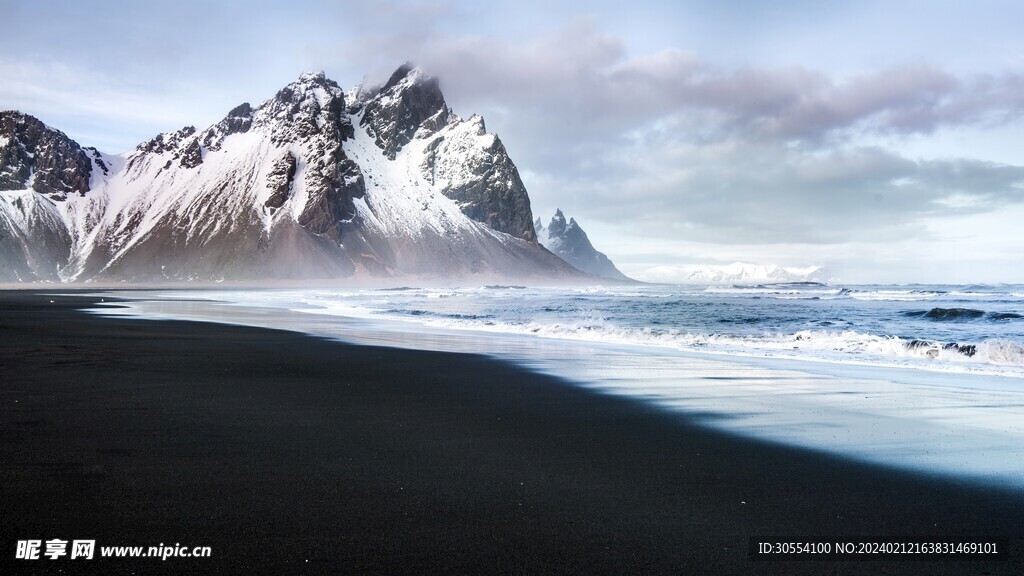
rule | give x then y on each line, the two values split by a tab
290	454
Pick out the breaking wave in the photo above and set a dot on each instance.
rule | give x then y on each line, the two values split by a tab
989	356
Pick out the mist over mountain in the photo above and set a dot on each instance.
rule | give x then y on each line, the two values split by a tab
315	182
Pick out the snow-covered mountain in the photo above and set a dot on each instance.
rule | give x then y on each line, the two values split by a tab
739	273
312	183
570	243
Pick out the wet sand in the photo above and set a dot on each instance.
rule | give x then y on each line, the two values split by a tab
286	454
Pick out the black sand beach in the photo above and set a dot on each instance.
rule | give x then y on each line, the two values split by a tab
288	454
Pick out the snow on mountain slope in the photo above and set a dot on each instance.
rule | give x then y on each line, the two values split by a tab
33	238
305	185
437	236
40	168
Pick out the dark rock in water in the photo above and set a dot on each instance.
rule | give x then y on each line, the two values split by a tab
1004	316
942	314
965	349
37	156
570	243
946	314
932	349
279	180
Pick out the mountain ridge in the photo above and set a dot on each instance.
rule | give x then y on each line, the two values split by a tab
304	185
568	241
738	273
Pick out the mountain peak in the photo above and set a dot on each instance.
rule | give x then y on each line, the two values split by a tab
312	76
287	188
570	243
34	155
410	101
309	106
407	73
556	228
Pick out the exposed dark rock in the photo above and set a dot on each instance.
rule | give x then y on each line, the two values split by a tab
191	154
37	156
97	158
489	189
332	183
238	218
166	142
968	350
918	344
311	112
408	102
279	180
313	105
238	121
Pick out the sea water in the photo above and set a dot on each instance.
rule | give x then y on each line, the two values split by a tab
929	378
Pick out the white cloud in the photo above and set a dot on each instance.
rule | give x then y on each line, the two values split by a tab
98	109
664	157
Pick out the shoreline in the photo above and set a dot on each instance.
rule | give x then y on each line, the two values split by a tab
891	416
274	448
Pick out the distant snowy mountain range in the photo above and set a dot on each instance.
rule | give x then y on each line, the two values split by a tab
739	273
315	182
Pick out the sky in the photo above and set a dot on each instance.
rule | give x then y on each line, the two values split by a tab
881	140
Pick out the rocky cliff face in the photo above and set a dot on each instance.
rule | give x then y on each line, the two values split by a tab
40	168
569	242
307	184
472	168
408	103
37	157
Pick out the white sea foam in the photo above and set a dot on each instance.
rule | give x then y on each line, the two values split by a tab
850	401
865	326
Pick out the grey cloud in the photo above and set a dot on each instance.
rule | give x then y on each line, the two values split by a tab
676	147
770	194
561	100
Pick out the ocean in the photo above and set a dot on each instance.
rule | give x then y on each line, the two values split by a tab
927	378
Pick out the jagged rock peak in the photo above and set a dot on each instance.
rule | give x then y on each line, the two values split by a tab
568	241
166	141
408	102
556	228
238	121
312	76
473	168
312	105
286	199
34	155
